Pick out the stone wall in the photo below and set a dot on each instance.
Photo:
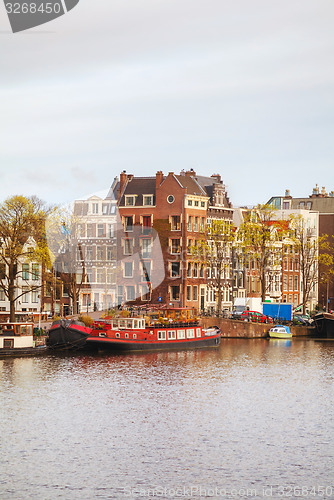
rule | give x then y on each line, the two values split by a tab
243	329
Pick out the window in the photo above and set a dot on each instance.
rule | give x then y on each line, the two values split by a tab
175	269
99	253
25	296
147	223
196	203
189	270
89	276
309	205
145	293
190	223
146	247
110	276
190	333
172	335
195	293
201	271
202	204
190	203
148	199
198	332
128	269
161	334
130	292
128	246
129	201
110	230
35	271
110	253
296	283
195	270
196	224
34	296
2	271
181	334
175	292
2	295
188	292
90	230
146	268
128	222
176	223
175	248
101	231
170	198
95	208
105	208
89	253
25	271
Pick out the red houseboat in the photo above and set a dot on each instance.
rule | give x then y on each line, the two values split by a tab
166	329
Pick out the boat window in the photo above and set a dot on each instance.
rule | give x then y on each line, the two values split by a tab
190	333
198	332
118	335
171	335
126	335
134	335
181	334
161	334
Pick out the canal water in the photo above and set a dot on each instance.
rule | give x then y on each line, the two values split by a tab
251	419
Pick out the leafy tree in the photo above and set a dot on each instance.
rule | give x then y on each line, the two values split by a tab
259	238
22	236
215	252
326	264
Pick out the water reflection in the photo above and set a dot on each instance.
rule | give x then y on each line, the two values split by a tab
249	414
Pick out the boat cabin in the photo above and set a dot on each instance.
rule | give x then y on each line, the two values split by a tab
122	324
16	335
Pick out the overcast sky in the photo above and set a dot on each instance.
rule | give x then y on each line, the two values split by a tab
244	88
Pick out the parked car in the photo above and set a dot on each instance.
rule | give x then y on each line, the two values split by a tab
237	312
303	319
255	316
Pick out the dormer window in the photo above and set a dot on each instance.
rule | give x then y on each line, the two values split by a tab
130	201
148	199
95	208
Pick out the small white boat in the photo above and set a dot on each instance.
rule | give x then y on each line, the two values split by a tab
280	332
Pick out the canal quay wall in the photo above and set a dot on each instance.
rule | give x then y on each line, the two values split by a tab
243	329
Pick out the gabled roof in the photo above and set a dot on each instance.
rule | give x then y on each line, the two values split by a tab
191	185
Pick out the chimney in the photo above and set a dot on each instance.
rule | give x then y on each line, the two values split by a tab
122	181
287	193
190	173
323	192
159	177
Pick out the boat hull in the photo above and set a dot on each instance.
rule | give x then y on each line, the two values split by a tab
324	323
65	334
280	335
139	345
